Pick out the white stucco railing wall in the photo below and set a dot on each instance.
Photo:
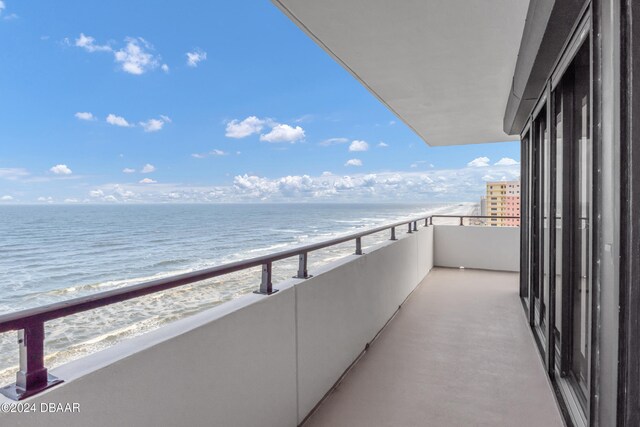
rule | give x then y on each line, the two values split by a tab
488	248
257	360
342	309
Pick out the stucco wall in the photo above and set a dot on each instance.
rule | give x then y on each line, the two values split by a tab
488	248
342	309
256	360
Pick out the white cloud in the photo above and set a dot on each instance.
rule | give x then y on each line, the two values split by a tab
88	43
383	144
10	17
195	57
84	116
358	145
479	162
417	163
154	125
96	193
429	185
148	168
3	6
353	162
241	129
128	170
506	161
212	153
61	170
283	133
333	141
147	181
112	119
252	125
135	57
71	200
6	198
392	122
13	174
43	199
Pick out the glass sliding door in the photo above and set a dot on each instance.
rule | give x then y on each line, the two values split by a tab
539	246
558	224
581	239
545	223
573	217
525	260
537	201
559	100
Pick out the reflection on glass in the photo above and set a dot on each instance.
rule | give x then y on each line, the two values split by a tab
582	219
546	238
558	213
540	221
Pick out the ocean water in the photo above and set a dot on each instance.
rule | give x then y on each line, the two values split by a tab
54	253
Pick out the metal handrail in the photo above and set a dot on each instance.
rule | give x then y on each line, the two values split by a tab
462	217
33	377
476	216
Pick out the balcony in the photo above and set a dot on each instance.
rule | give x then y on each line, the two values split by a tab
459	352
424	327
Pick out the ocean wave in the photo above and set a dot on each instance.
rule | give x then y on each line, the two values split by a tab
269	248
286	230
85	333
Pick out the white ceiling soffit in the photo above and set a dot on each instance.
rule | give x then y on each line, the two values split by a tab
444	67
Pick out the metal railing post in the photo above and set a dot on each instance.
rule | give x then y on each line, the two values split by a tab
426	222
32	373
358	246
302	266
415	225
410	229
430	220
393	234
32	376
266	286
461	220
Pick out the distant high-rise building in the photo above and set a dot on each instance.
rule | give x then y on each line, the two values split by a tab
503	200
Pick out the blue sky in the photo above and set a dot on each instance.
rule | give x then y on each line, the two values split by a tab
106	102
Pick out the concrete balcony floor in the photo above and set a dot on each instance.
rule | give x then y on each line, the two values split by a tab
458	353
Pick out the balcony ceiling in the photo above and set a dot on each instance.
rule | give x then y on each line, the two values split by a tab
444	67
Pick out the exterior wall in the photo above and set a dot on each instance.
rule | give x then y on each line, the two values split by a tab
256	360
487	248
